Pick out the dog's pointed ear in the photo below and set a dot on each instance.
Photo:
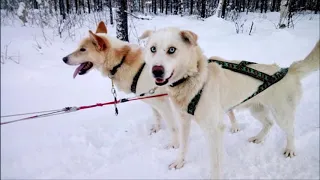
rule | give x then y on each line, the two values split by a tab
145	34
102	28
97	41
189	37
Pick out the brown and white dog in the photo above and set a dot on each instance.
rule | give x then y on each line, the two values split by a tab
122	61
173	55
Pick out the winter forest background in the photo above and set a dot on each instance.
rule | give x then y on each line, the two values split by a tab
96	144
66	15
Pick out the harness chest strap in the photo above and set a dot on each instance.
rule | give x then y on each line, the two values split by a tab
114	70
136	78
133	88
243	69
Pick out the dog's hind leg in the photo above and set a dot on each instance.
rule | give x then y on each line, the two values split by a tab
284	116
261	113
157	125
234	125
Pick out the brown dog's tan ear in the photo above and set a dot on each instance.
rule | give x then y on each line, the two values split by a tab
98	41
145	34
189	37
101	28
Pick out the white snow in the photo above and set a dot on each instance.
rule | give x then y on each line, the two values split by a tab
96	144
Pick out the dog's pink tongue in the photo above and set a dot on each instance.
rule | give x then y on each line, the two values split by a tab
159	80
76	72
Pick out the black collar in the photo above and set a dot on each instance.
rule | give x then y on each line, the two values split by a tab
180	81
194	101
115	68
136	78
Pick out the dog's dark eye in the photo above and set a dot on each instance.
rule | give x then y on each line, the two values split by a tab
82	49
172	50
153	49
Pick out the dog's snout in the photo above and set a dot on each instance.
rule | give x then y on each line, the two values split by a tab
158	71
65	59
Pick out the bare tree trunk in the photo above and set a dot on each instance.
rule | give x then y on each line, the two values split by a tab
248	6
191	7
219	8
55	5
265	6
162	6
101	5
139	4
176	7
167	6
35	4
122	21
224	6
76	6
203	9
110	9
283	13
180	6
256	5
68	6
89	8
62	9
155	7
317	7
273	7
83	6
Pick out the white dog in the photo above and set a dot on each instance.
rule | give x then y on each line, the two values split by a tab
206	91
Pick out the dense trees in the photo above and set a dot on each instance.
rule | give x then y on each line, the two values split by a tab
68	9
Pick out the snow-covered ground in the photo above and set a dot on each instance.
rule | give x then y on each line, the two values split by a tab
95	143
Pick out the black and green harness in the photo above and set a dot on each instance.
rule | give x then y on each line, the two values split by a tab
268	80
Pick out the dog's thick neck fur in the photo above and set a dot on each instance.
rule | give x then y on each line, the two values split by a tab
133	59
194	82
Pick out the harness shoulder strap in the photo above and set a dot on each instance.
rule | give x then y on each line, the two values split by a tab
276	76
194	102
244	69
136	78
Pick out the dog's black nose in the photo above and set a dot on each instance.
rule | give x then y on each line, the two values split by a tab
158	71
65	59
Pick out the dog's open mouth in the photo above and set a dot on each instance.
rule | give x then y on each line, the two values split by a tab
161	81
83	69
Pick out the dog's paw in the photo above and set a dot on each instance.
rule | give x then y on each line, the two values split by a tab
172	146
179	163
255	139
235	129
289	153
155	128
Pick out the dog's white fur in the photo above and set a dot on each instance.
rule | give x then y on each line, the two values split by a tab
224	89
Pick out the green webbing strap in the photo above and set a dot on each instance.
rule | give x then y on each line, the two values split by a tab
243	69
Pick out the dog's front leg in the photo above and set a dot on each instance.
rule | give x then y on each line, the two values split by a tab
213	128
168	115
157	125
185	120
